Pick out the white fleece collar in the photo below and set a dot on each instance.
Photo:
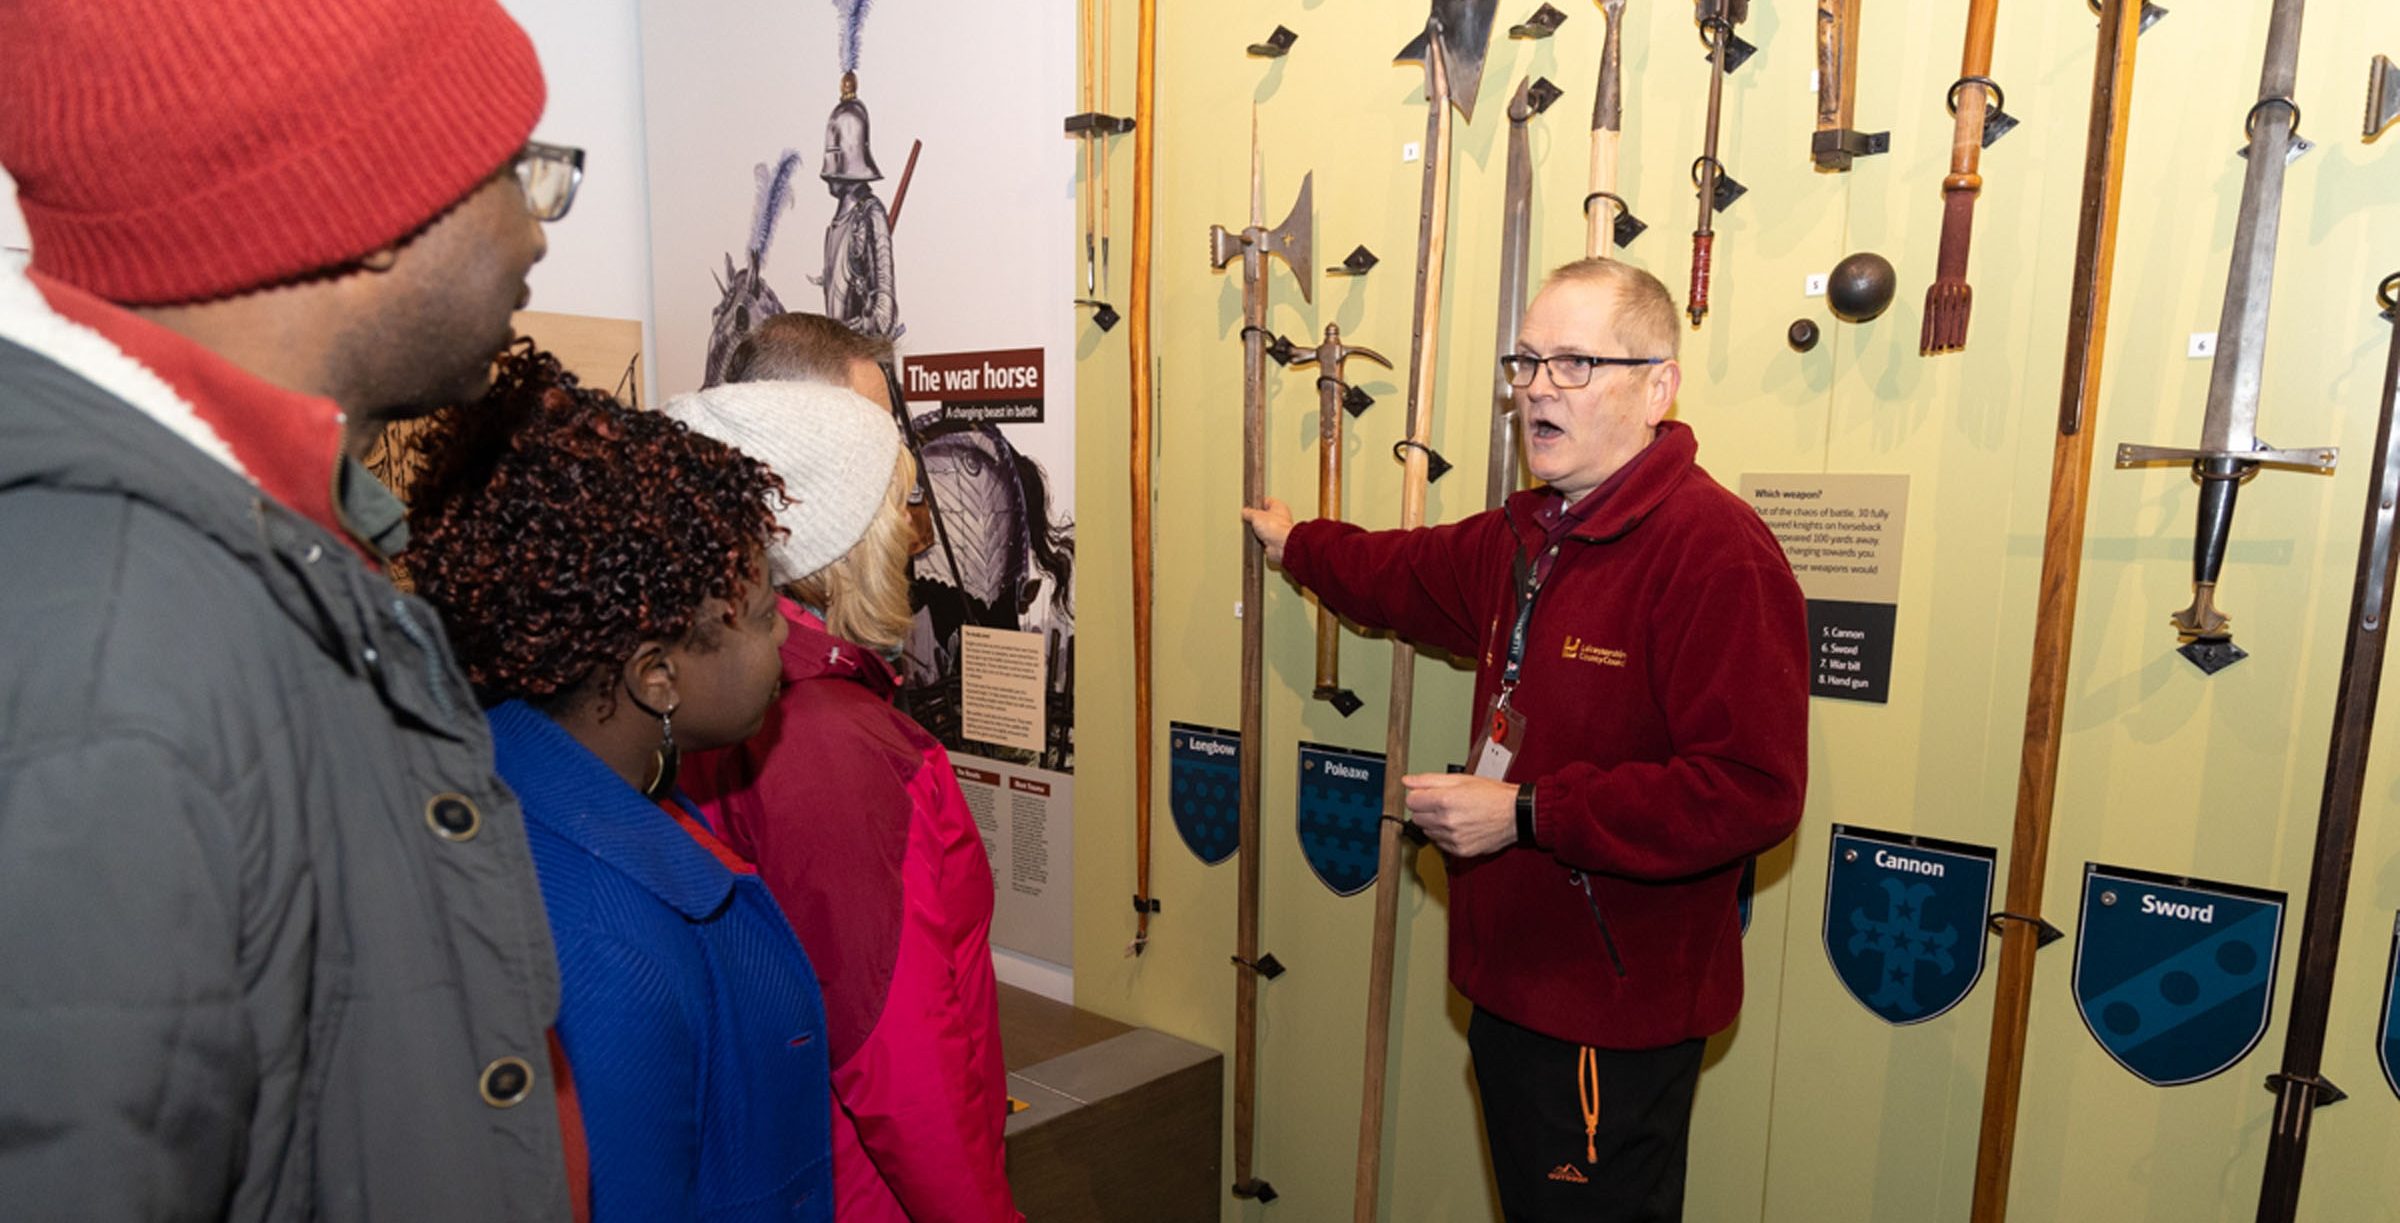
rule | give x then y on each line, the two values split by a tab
27	320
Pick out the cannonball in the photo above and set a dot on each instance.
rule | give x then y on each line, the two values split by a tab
1802	335
1860	287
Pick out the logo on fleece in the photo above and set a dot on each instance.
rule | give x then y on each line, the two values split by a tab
1570	1174
1579	650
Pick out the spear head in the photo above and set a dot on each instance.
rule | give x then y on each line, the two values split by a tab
1464	30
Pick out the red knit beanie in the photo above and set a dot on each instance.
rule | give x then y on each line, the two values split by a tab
185	150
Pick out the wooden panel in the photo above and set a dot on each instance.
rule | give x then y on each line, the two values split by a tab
604	353
1120	1122
1034	1029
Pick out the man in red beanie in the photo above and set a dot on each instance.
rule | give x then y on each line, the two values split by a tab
270	941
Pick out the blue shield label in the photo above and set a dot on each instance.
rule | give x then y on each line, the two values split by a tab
2175	977
1904	920
2387	1040
1341	814
1204	789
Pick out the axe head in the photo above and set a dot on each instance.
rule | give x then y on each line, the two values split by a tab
2383	95
1224	246
1292	240
1465	28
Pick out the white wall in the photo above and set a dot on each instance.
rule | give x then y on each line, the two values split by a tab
599	261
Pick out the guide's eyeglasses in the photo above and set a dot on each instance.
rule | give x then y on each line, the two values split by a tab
549	174
1568	370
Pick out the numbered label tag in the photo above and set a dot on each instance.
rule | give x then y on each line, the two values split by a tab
2175	977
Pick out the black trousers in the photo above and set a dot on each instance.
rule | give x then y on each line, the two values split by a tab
1557	1156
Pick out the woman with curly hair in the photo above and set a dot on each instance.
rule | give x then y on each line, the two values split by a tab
601	573
856	822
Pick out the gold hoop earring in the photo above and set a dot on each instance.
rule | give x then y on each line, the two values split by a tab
665	759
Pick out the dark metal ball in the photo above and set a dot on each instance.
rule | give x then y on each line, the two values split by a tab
1803	334
1860	287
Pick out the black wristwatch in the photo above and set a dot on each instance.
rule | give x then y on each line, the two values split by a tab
1525	814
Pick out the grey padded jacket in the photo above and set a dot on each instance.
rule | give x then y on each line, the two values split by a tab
270	941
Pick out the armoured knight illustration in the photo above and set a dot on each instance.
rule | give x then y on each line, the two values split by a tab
1010	566
745	299
858	241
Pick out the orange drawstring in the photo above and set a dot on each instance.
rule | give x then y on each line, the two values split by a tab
1587	1090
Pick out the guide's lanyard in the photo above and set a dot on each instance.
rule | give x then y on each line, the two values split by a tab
1529	579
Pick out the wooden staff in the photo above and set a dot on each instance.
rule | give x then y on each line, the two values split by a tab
1717	19
1086	34
1334	397
1608	135
1949	300
1834	144
1454	41
1100	145
1290	242
2022	930
1137	347
2299	1086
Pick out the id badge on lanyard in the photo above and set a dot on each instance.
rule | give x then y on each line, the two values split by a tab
1502	734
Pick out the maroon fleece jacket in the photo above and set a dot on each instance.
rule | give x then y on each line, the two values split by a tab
1665	694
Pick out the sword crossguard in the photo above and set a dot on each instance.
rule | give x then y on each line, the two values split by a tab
2313	458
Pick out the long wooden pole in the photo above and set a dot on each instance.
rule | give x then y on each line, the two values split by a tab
2054	617
1602	203
2299	1088
1137	346
1433	240
1254	653
1087	34
1949	300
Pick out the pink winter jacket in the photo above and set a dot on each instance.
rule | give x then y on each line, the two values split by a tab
857	825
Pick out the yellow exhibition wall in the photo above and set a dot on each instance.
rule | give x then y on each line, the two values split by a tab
1811	1108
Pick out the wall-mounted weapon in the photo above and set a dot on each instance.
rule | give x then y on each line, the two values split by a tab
1457	32
1613	218
1977	104
1092	130
1291	242
1836	143
1859	288
1137	353
2299	1086
2383	95
1334	397
1717	189
1516	226
2020	925
2230	452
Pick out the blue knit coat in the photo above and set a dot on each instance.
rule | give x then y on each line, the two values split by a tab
690	1017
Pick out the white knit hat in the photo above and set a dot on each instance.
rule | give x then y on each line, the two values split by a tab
832	447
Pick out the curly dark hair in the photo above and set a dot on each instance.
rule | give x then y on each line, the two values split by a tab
557	529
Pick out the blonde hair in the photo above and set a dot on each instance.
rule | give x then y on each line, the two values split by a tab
1644	317
865	592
